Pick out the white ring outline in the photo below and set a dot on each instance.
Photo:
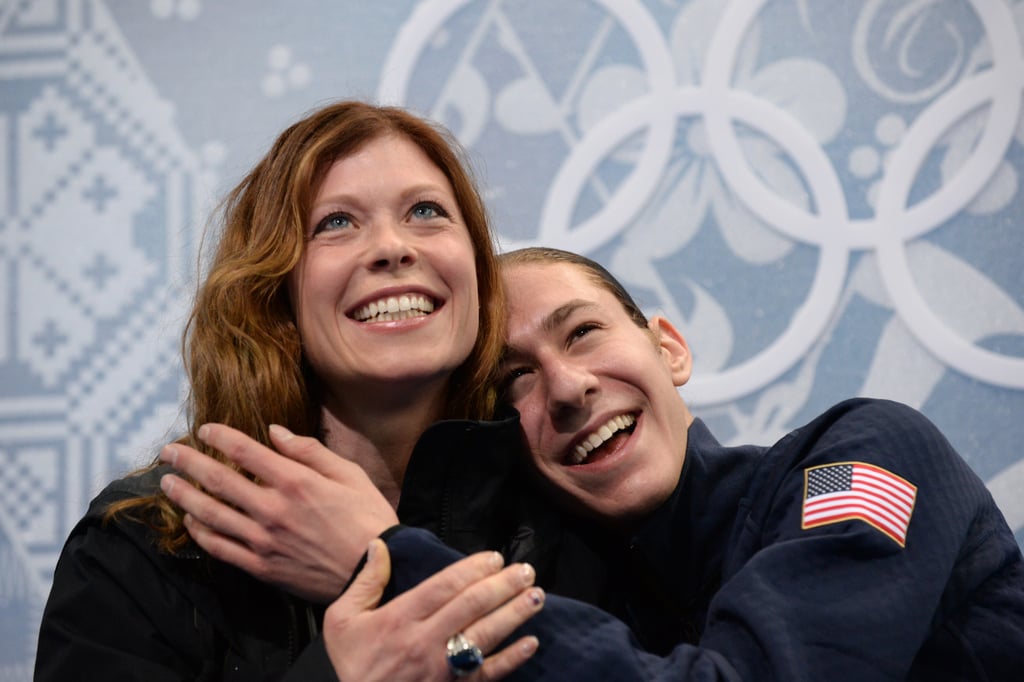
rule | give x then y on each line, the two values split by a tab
907	300
810	318
632	194
933	333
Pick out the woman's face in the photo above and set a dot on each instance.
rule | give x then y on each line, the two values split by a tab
385	294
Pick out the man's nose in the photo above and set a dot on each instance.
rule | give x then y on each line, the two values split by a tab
571	388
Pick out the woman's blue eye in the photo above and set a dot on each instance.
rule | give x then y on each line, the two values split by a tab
335	221
428	209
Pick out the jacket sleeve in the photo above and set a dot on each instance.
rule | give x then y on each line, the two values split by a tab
107	618
876	583
114	613
577	641
313	664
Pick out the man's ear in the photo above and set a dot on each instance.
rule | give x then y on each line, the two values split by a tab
674	350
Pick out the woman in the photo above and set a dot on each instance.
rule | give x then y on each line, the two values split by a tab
353	296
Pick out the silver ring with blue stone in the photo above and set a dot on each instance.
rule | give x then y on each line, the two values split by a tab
464	657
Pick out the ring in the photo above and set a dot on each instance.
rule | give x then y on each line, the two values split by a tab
463	656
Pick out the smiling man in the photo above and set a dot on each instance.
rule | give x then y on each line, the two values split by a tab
858	547
615	451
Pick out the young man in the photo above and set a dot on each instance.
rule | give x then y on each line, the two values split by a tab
860	546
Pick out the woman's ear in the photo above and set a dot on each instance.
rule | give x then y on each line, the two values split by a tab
674	350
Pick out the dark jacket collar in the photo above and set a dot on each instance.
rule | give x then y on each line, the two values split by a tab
455	479
470	483
692	527
679	549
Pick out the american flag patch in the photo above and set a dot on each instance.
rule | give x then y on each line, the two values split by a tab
855	490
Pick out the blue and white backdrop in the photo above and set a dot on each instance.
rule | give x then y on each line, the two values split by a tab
826	196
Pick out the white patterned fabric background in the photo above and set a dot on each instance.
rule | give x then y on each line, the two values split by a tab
826	196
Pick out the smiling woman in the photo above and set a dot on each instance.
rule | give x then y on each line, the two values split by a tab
352	301
385	293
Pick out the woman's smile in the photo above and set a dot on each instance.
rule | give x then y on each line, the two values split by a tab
386	293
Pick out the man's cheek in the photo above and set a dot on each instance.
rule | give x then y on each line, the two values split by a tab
532	423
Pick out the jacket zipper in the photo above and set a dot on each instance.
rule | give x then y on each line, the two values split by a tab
446	512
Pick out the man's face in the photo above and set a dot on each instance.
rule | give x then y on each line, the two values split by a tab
597	393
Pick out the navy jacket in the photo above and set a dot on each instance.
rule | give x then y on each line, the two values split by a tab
738	577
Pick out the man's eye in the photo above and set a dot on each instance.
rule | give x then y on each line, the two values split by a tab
514	374
582	330
335	221
508	381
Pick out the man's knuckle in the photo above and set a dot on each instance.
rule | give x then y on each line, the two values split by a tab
235	450
215	481
275	509
291	484
262	545
210	515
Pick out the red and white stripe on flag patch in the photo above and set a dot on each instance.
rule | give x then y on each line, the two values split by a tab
855	490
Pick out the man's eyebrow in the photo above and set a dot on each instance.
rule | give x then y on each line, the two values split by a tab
556	317
550	323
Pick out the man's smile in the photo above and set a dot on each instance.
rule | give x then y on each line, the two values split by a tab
585	449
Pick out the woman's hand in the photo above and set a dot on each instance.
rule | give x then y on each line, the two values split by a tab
405	639
303	527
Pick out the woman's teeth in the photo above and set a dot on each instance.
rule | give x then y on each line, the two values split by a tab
601	436
395	308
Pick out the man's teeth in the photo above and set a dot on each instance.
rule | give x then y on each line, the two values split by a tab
395	308
599	437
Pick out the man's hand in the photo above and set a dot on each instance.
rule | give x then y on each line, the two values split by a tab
304	526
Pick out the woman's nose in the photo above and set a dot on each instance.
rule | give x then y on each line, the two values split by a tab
390	246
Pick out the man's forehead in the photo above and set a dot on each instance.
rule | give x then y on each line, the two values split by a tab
524	331
543	295
532	285
536	315
557	317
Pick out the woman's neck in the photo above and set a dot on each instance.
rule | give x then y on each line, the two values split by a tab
379	439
